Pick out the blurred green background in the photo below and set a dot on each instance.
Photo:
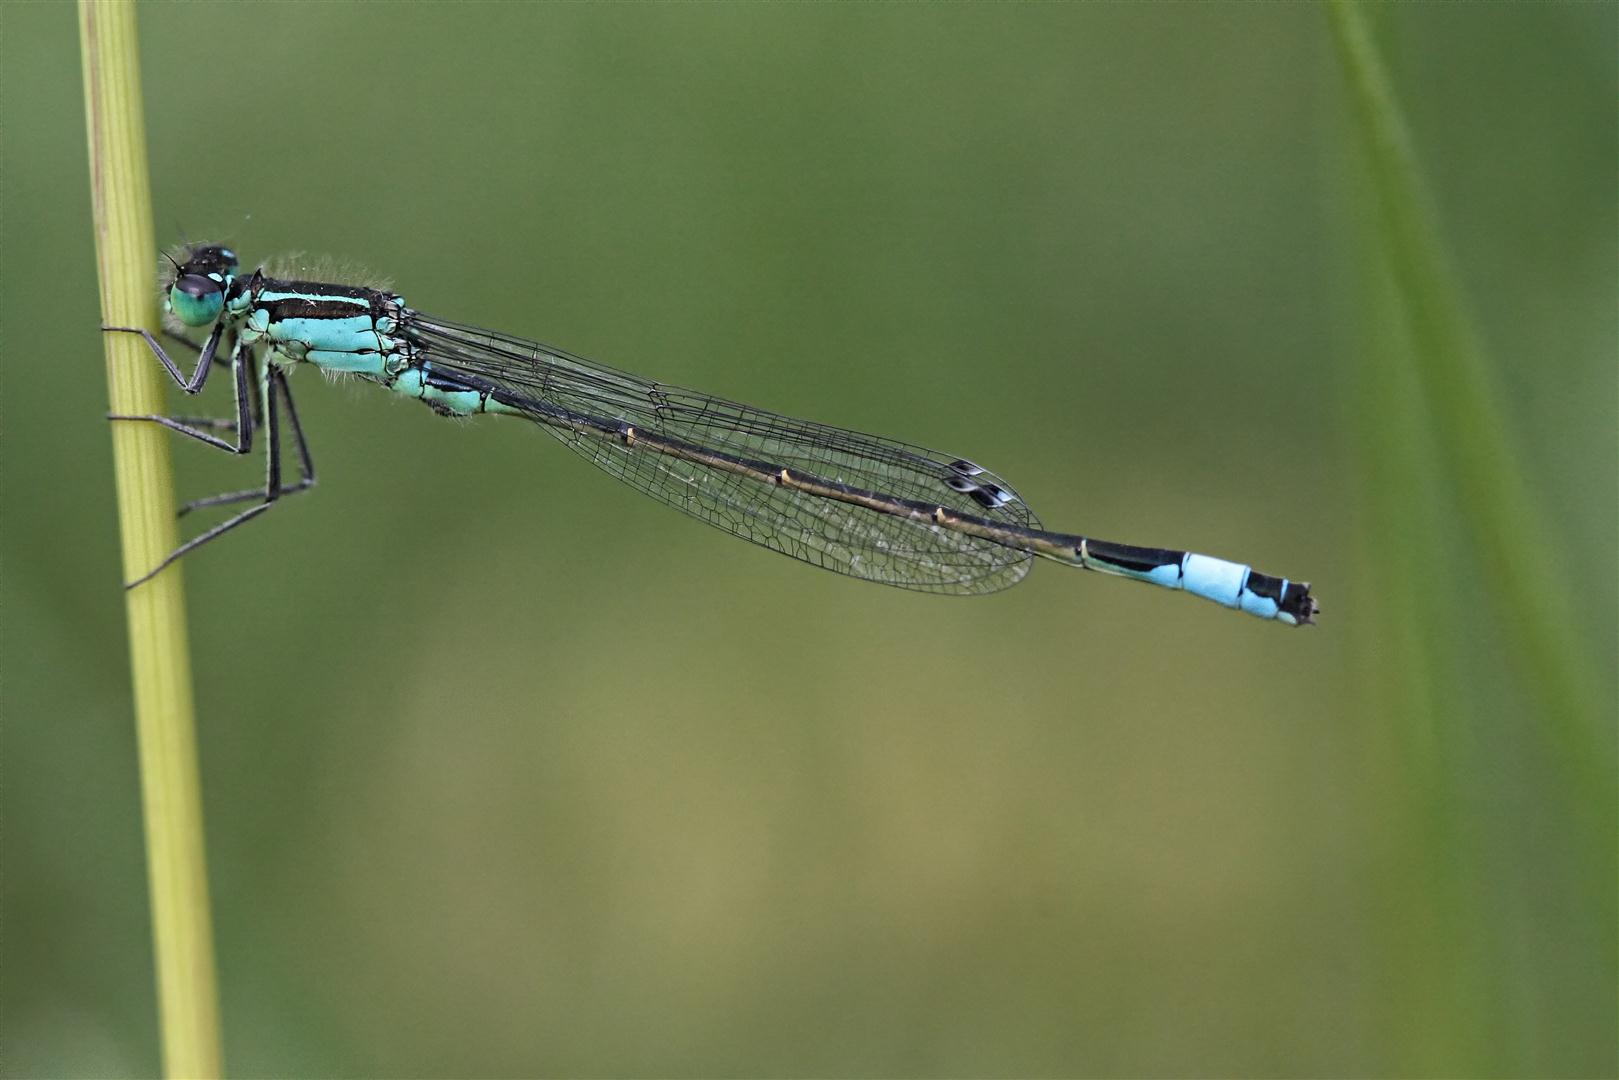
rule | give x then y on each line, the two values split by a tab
511	771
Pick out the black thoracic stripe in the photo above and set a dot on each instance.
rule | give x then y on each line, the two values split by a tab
305	306
324	288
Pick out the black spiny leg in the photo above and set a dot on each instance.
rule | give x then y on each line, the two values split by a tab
306	464
219	361
241	360
272	453
205	359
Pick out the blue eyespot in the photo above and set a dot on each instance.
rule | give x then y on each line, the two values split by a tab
196	300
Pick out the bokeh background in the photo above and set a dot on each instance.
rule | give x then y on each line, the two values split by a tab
511	771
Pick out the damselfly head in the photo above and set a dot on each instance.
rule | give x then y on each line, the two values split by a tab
196	294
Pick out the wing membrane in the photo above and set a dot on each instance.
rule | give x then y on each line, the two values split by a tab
716	460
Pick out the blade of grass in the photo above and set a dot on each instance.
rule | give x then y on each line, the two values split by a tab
159	655
1461	996
1439	1006
1514	540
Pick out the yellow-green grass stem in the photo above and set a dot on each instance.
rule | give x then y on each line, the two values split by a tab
160	660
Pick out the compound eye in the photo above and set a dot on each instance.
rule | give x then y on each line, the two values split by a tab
196	300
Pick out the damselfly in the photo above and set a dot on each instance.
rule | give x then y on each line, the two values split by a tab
870	507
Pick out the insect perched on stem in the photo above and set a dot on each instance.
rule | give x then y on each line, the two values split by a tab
863	505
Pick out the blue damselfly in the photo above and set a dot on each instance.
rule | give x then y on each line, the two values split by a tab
871	507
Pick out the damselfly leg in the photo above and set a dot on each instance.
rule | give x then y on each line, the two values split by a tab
210	422
306	464
243	426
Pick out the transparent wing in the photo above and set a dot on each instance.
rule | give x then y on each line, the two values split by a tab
717	460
